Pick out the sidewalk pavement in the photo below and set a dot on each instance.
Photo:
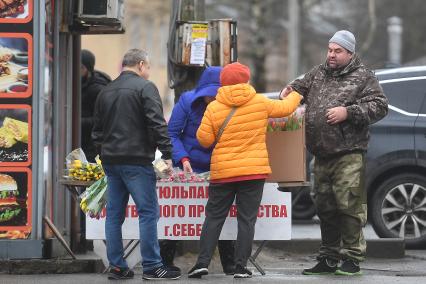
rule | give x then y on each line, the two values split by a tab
310	229
278	259
280	266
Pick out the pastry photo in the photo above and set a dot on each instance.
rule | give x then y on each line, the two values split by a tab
15	66
14	136
16	11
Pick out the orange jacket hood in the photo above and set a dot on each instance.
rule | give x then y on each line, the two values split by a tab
235	95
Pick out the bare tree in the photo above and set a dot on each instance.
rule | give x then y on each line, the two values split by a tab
372	27
258	40
262	35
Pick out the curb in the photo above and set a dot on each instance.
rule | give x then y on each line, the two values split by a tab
51	266
377	248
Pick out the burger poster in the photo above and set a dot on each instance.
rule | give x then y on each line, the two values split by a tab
15	65
15	135
16	11
15	203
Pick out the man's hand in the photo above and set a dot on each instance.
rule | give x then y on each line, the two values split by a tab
187	167
336	115
284	93
169	169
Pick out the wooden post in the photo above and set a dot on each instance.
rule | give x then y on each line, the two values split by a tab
187	10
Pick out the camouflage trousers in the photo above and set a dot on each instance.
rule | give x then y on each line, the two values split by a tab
341	202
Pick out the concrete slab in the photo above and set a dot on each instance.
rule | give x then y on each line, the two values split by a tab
87	263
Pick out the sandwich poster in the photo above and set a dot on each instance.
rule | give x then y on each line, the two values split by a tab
16	11
15	203
15	65
15	135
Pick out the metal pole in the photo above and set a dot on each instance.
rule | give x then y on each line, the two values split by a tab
395	40
76	133
38	123
76	91
293	40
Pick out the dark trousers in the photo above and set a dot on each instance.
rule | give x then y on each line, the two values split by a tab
247	196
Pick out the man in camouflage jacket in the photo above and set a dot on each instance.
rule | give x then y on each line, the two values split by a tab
342	99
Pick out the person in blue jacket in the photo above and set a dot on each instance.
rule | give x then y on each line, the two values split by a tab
189	155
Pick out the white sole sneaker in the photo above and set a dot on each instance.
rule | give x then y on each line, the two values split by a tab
197	273
156	278
242	275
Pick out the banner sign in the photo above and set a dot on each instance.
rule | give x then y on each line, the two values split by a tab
16	100
182	213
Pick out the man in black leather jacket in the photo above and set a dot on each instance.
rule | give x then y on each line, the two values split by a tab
128	127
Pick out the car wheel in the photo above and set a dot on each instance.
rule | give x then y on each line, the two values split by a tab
302	205
399	209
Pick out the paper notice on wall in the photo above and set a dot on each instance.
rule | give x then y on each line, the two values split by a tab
198	43
198	51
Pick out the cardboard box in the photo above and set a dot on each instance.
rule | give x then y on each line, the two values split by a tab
287	156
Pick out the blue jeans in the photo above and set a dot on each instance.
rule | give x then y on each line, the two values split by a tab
140	183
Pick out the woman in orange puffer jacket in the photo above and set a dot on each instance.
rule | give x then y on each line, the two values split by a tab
239	163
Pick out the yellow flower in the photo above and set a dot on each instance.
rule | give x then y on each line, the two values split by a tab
83	206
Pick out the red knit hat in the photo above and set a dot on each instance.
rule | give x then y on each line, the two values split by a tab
234	73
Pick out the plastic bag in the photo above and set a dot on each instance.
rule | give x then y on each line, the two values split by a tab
74	155
94	199
160	168
78	168
289	123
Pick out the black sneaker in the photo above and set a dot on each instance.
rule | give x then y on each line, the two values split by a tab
115	273
173	268
349	267
323	267
162	272
229	269
242	272
197	271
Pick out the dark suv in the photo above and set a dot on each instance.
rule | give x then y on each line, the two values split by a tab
396	158
396	161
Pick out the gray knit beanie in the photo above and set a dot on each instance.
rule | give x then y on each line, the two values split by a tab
345	39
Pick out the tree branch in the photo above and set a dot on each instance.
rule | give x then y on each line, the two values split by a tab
372	27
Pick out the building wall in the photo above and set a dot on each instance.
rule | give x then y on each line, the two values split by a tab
146	24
